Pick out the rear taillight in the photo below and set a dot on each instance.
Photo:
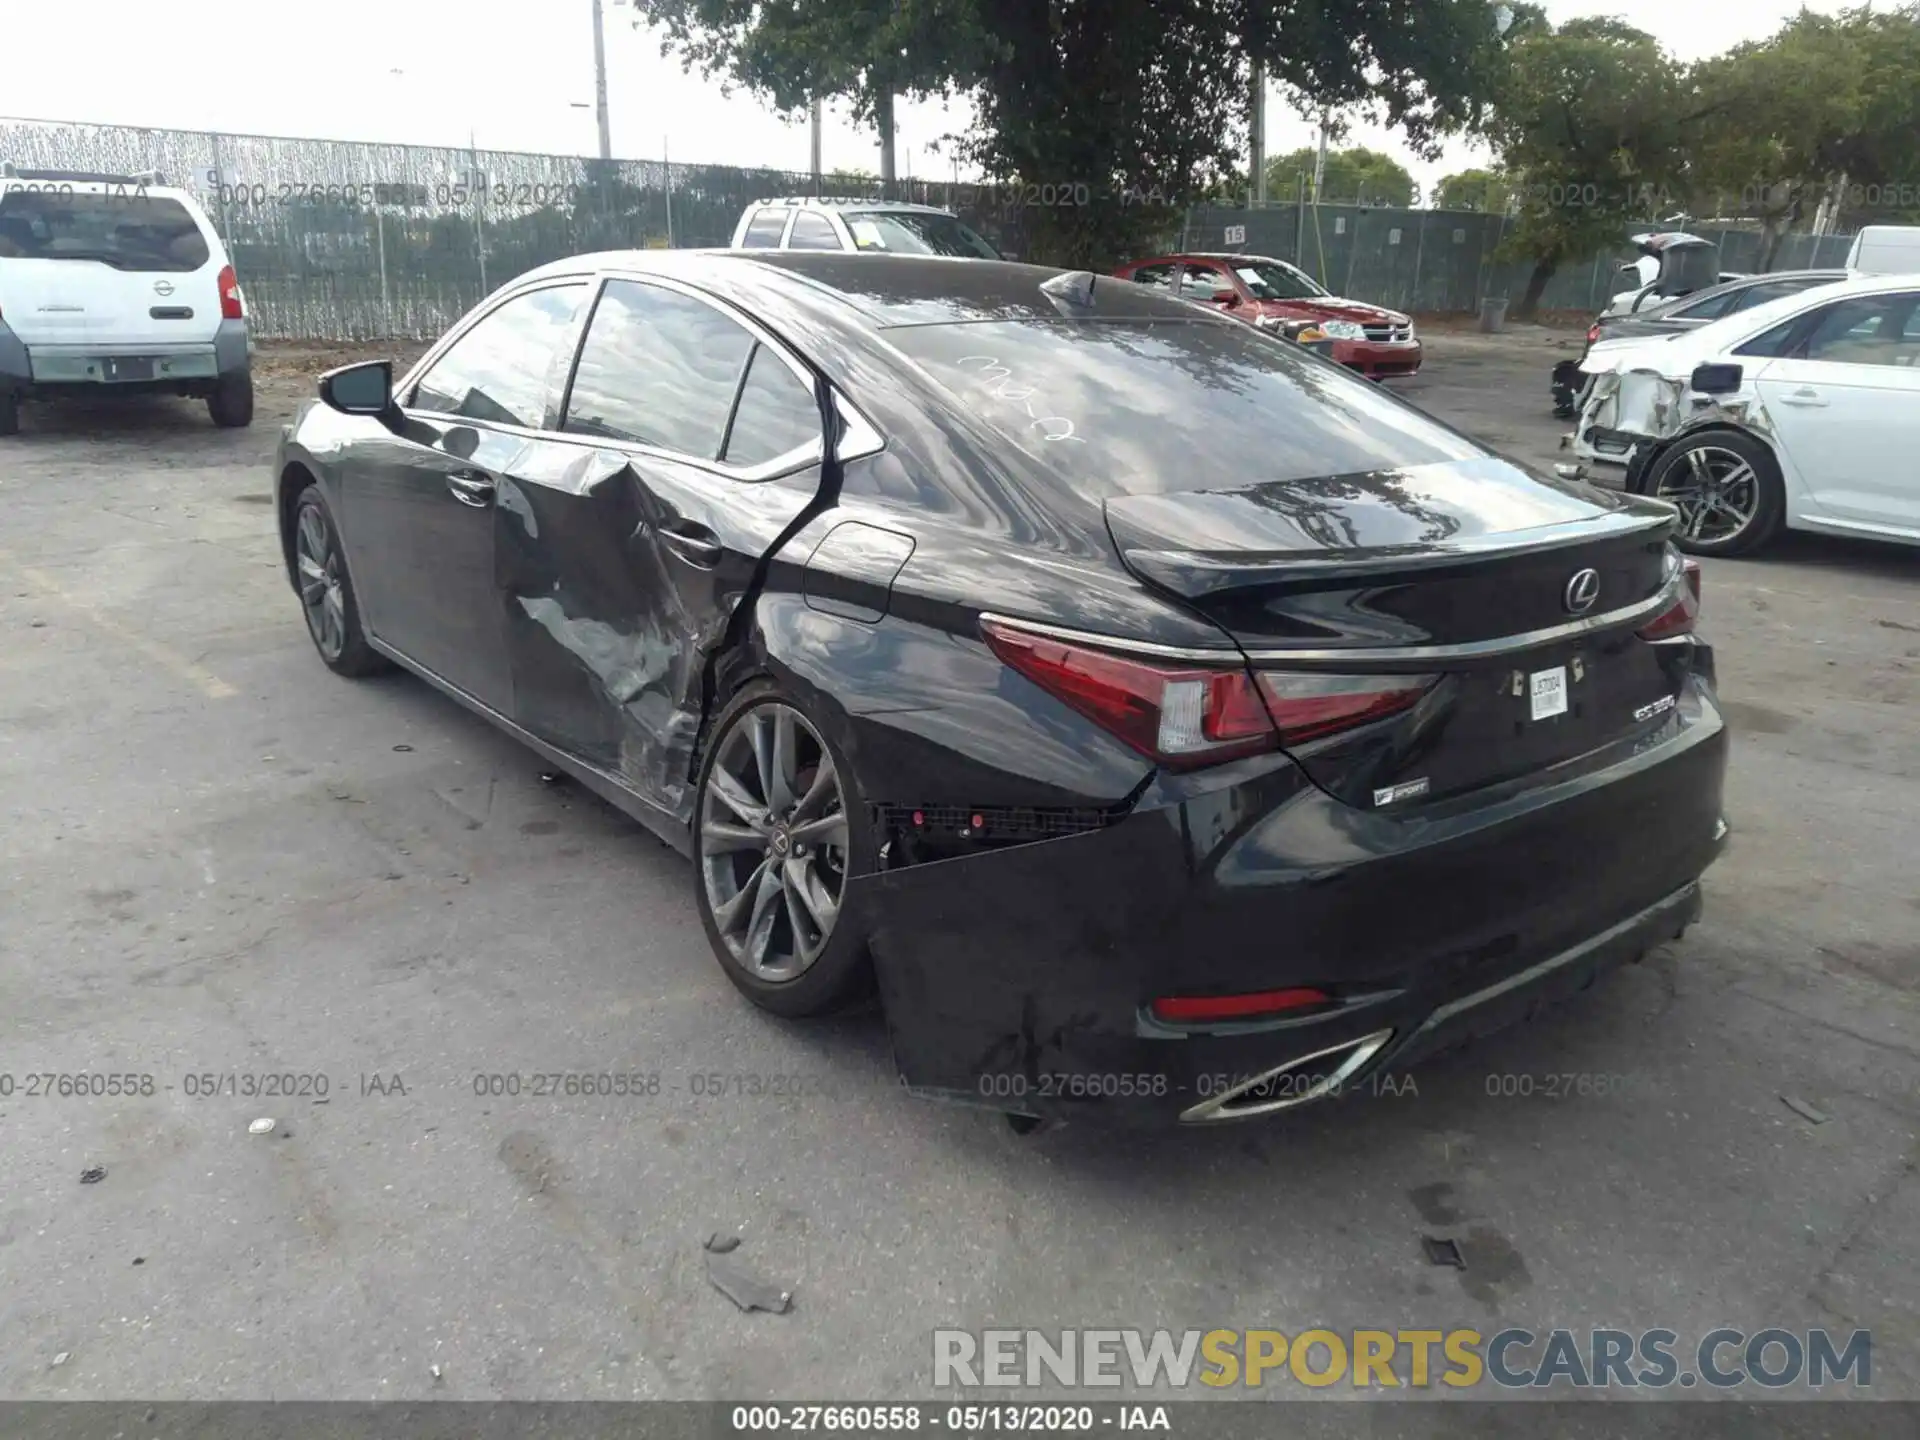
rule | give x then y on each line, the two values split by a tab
230	308
1686	610
1185	716
1199	1009
1593	333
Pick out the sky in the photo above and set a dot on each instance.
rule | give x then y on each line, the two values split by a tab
518	75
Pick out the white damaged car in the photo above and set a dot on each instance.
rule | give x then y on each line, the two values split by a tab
1803	412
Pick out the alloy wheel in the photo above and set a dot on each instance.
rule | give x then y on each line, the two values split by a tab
773	842
1717	491
322	592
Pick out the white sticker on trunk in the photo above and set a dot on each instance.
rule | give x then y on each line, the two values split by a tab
1548	689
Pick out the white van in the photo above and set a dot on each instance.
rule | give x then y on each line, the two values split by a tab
116	283
1886	250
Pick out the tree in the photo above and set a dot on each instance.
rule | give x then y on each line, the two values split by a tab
862	51
1588	118
1825	97
1356	174
1489	190
1139	106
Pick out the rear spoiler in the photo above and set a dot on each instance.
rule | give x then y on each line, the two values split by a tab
146	178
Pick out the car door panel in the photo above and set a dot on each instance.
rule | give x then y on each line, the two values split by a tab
1842	413
627	543
620	574
420	506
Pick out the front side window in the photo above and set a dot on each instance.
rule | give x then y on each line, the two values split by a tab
657	368
1207	282
813	232
127	230
500	369
776	416
764	230
1272	280
1155	277
1867	330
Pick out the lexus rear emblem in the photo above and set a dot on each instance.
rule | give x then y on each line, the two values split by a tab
163	287
1582	590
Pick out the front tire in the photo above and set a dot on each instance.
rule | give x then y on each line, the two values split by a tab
779	829
231	403
1729	490
326	591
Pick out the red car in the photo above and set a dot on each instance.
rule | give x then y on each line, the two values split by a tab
1273	294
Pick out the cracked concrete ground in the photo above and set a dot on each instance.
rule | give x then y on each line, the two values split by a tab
220	860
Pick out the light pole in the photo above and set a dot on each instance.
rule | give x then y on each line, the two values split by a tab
600	114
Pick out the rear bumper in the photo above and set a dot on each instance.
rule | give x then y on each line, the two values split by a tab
154	366
1022	979
1375	359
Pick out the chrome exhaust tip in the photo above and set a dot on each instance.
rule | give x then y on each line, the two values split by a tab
1284	1087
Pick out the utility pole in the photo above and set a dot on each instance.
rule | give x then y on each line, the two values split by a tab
1320	157
1257	132
813	141
883	117
600	81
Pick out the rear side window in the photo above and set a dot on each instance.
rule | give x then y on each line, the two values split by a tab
813	232
763	231
1133	408
776	415
501	368
658	368
129	230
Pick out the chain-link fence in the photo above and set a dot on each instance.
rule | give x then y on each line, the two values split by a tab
1438	260
344	240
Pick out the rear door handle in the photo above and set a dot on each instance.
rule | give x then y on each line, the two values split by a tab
695	544
470	487
1805	395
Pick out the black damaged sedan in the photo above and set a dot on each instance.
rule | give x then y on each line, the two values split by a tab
1165	723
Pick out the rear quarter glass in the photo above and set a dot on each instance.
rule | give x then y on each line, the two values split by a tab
1150	407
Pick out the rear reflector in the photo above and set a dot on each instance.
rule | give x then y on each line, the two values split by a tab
1686	610
1183	715
1198	1009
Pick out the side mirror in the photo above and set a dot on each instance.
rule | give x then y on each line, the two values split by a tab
364	389
1716	379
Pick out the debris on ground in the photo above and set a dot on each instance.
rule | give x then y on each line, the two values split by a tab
1804	1110
93	1174
402	749
61	1358
720	1244
139	1259
744	1288
262	1126
553	777
434	1370
1443	1252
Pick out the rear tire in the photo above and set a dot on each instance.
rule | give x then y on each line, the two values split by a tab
326	591
771	864
231	403
9	413
1728	486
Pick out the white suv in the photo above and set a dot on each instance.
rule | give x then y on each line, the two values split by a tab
884	227
118	283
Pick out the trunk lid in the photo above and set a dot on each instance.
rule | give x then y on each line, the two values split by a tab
1521	599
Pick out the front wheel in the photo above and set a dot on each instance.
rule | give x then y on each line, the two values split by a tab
1728	489
326	591
778	830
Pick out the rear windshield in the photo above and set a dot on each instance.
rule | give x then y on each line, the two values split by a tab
129	230
908	232
1145	407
